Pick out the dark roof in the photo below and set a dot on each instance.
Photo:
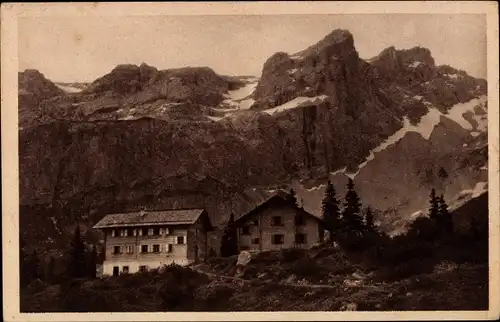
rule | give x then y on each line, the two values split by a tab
154	217
279	198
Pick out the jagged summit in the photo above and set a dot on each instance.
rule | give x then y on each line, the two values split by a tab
339	42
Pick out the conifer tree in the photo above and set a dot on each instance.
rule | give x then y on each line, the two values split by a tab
444	218
229	242
76	256
434	205
351	215
331	211
369	225
92	262
291	197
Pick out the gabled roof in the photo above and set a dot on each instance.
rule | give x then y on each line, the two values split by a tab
155	217
279	198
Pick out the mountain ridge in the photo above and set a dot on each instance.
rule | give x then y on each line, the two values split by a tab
188	136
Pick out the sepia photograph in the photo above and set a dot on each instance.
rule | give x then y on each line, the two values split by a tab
249	161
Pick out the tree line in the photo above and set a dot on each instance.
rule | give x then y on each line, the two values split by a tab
79	261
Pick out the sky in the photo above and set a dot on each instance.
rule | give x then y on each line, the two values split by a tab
81	49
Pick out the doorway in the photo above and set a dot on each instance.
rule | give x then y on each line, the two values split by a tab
116	270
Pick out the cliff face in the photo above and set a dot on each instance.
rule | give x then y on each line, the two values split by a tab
179	138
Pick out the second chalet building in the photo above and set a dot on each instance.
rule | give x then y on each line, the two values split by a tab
278	223
142	240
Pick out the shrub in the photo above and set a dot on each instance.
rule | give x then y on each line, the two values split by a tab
291	255
214	296
178	287
306	267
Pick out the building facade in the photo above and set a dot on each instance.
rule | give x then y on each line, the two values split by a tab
278	223
143	240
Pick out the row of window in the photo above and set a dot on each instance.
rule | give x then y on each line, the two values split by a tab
155	231
125	269
154	248
275	221
278	239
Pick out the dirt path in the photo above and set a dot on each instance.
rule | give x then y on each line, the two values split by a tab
259	282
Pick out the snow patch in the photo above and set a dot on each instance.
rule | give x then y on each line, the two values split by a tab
242	92
455	113
293	71
484	167
343	170
128	117
416	214
316	188
241	97
69	89
296	102
453	76
418	97
480	188
215	118
425	127
415	64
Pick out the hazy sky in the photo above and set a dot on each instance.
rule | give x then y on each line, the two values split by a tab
85	48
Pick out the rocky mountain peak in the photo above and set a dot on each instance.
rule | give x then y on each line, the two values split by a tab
339	44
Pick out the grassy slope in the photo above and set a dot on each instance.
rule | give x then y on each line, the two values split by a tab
273	281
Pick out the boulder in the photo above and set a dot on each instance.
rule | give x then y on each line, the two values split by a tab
243	259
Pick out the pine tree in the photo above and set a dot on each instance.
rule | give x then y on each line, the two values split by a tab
444	218
351	215
434	205
369	225
331	211
76	256
229	242
291	197
92	262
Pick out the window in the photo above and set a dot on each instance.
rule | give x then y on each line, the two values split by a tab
278	239
255	241
130	232
245	230
144	232
150	232
156	231
167	231
116	250
156	248
169	248
299	220
125	270
144	248
130	249
113	232
277	221
180	240
300	238
143	268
